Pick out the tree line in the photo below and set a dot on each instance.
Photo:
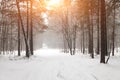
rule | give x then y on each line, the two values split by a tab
18	23
91	24
88	25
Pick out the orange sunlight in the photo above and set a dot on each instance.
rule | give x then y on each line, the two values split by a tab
52	3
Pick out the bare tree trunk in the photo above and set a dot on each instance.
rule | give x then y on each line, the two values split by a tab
25	37
98	29
91	32
103	32
74	39
19	37
82	35
27	30
31	28
113	33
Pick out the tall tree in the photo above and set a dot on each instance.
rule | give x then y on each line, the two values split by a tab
23	30
19	36
113	33
98	27
31	27
103	32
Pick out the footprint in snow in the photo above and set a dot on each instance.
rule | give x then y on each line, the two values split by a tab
60	76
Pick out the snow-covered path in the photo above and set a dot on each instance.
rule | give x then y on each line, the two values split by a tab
58	66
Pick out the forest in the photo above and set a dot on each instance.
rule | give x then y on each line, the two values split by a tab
85	28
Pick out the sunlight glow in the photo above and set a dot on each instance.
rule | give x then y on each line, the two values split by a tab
53	3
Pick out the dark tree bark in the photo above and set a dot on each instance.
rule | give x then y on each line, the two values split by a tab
90	29
18	36
103	32
98	29
27	30
31	28
23	30
113	33
83	37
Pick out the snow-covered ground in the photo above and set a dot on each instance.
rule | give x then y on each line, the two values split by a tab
53	65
